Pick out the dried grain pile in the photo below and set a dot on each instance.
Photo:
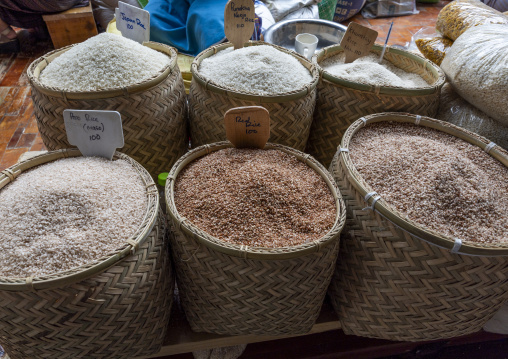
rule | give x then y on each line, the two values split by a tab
435	179
104	61
260	70
67	213
367	70
263	198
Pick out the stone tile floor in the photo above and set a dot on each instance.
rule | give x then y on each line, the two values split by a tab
18	126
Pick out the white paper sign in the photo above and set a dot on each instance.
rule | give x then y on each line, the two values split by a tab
95	133
133	22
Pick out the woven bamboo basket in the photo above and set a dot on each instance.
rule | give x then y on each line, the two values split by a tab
236	289
115	307
340	102
290	113
153	112
398	280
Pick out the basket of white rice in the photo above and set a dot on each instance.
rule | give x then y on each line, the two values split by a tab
84	265
258	74
110	72
403	82
424	255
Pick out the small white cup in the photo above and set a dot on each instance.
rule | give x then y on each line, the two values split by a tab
306	44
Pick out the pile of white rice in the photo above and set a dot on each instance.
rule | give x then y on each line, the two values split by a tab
68	213
102	62
260	70
368	71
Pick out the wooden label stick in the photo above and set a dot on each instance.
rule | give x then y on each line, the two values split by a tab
357	41
247	126
239	17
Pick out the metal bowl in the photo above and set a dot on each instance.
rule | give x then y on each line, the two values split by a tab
284	33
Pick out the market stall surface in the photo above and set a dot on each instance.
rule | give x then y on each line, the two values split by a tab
19	134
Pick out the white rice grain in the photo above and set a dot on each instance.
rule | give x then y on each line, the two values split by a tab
367	70
104	61
260	70
68	213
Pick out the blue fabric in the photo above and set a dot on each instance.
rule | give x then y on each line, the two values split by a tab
189	25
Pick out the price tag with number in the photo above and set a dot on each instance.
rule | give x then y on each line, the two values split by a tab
133	22
357	41
239	21
95	133
247	126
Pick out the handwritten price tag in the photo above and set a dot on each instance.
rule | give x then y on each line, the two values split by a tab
95	133
133	22
357	41
247	126
239	17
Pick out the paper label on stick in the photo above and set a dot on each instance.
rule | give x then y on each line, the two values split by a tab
247	126
133	22
95	133
357	41
239	21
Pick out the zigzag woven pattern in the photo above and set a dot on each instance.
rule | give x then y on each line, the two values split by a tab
223	294
339	106
122	312
154	121
392	285
290	121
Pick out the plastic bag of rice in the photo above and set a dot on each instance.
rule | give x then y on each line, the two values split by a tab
105	61
477	67
456	110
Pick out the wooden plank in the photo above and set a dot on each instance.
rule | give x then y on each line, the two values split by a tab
70	28
83	11
181	339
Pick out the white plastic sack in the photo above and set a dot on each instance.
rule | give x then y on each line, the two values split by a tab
477	67
280	9
456	110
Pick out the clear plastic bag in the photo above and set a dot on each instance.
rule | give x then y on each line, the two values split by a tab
458	16
477	67
388	8
431	44
456	110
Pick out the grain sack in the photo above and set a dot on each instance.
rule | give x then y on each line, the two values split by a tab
434	48
424	257
258	74
85	271
368	88
109	72
460	15
276	249
454	109
477	67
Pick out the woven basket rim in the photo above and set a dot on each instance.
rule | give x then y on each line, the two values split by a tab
39	64
84	271
398	218
244	251
437	73
250	96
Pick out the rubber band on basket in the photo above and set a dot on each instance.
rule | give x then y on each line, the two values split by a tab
489	147
134	245
368	196
11	175
456	245
30	282
418	119
341	149
377	89
243	250
364	121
